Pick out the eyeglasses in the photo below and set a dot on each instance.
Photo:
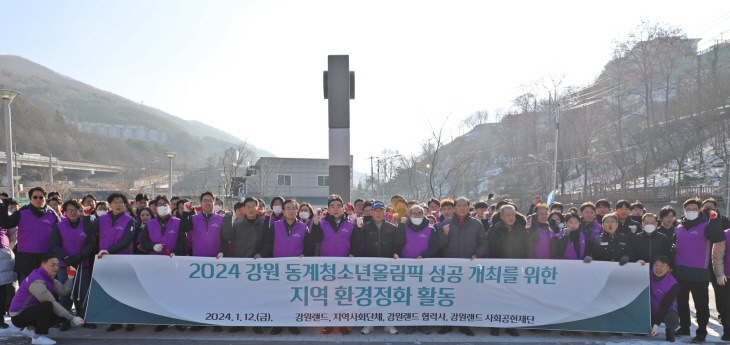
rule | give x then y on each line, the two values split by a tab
117	203
72	211
35	197
610	222
54	265
416	214
542	214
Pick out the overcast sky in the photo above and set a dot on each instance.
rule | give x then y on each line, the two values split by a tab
254	69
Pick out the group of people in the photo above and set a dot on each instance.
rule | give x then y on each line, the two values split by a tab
49	246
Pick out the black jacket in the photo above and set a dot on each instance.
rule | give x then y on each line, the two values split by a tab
611	247
57	244
647	248
249	235
667	232
378	243
624	227
433	240
509	243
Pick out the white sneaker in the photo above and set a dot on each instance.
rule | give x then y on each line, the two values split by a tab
43	340
367	329
390	329
29	332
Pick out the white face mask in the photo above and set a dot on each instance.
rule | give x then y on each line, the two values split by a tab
276	209
162	210
691	215
649	228
416	221
100	213
304	215
216	208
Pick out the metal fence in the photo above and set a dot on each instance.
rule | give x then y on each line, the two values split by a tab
651	194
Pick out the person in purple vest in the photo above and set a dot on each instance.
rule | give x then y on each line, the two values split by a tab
721	268
415	239
572	243
55	204
114	230
288	238
664	291
275	213
70	243
695	235
204	232
540	233
34	309
335	236
306	213
8	240
591	227
34	222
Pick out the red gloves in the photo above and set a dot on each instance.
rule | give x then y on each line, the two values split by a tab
198	209
713	214
88	210
71	272
102	253
188	206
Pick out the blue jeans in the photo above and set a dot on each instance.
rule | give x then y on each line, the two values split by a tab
82	282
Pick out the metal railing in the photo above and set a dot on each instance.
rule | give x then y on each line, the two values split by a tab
650	194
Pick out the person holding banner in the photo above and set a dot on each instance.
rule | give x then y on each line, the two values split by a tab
335	236
649	244
695	235
247	237
34	222
571	243
416	240
114	230
664	291
591	227
34	309
468	240
204	233
540	233
611	245
70	243
288	238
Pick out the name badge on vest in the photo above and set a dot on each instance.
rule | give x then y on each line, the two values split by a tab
604	243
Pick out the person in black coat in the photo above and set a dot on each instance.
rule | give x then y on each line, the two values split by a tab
611	245
649	244
626	225
667	219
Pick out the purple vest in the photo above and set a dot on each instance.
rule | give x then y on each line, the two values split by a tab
73	240
336	243
288	244
693	249
110	235
597	229
541	248
416	242
169	239
570	249
659	289
23	298
34	234
205	238
727	253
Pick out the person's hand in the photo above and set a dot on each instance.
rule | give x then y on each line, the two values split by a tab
654	330
360	221
68	261
536	200
170	254
395	256
633	229
624	260
301	256
139	246
316	219
642	262
446	229
587	259
713	214
88	210
198	209
566	231
721	280
77	321
473	257
351	256
403	220
268	213
102	253
77	260
71	272
419	257
220	255
529	222
188	206
257	256
158	247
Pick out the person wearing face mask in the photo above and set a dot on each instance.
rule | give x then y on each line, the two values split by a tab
305	214
667	216
649	244
101	208
695	235
611	245
70	243
115	231
275	213
334	235
367	211
8	240
218	208
664	291
289	238
34	222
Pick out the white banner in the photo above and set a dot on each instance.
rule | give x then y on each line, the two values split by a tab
327	291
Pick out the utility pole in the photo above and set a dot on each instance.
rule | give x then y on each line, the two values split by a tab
557	136
50	172
372	185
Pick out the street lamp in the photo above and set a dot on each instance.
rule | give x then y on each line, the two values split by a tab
152	195
7	97
170	155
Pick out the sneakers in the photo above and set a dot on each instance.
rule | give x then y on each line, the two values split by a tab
65	326
28	332
390	329
367	329
682	331
3	325
43	340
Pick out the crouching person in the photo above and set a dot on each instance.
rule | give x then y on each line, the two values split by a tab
664	291
34	309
